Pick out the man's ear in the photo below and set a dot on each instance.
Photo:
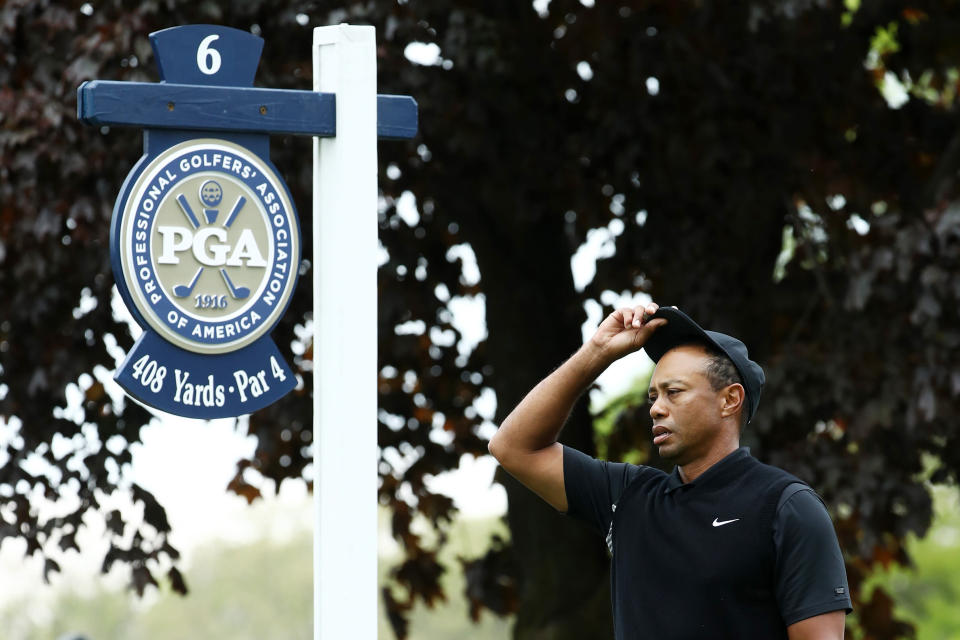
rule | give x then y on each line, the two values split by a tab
731	399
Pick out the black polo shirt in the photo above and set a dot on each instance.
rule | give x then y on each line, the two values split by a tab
789	547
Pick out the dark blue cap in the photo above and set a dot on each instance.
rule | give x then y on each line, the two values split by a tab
681	329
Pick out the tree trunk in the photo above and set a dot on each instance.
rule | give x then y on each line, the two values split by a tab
564	569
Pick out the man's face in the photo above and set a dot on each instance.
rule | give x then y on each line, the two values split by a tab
686	411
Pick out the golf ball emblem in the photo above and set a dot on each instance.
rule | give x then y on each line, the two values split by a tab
211	193
208	243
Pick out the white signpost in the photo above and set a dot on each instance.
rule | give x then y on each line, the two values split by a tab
345	338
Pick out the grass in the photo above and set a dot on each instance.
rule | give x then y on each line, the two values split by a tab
263	589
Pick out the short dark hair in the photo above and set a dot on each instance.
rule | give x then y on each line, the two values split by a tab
720	372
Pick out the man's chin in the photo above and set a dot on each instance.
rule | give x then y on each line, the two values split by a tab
669	452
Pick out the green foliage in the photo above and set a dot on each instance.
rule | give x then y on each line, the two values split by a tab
449	618
253	591
614	434
927	592
248	592
884	40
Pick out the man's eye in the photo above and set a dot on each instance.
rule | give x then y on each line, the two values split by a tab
671	392
651	399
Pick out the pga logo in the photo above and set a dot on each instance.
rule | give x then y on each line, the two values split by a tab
208	245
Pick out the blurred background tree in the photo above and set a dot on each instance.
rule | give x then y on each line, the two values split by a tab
782	170
261	588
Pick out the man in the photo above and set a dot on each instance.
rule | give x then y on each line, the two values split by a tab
724	547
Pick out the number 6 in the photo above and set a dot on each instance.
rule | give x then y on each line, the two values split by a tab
206	54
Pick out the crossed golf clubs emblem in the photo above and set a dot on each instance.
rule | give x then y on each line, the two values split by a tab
211	195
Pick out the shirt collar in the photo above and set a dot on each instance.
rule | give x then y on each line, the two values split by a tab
674	481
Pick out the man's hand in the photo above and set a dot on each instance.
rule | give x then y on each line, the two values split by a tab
626	330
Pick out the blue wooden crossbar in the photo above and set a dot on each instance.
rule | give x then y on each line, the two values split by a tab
245	109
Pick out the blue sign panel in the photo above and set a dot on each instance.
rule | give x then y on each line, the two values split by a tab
205	245
205	240
200	386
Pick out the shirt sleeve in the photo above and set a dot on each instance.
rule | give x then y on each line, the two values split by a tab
594	486
810	575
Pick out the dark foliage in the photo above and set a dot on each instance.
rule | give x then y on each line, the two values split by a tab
699	133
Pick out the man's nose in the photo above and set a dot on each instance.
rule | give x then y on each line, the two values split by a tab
657	409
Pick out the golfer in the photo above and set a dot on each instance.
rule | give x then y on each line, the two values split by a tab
722	547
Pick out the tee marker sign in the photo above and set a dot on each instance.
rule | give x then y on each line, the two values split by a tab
205	247
205	240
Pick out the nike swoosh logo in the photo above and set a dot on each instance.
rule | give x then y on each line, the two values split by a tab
720	524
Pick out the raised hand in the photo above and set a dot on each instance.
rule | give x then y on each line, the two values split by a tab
626	330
